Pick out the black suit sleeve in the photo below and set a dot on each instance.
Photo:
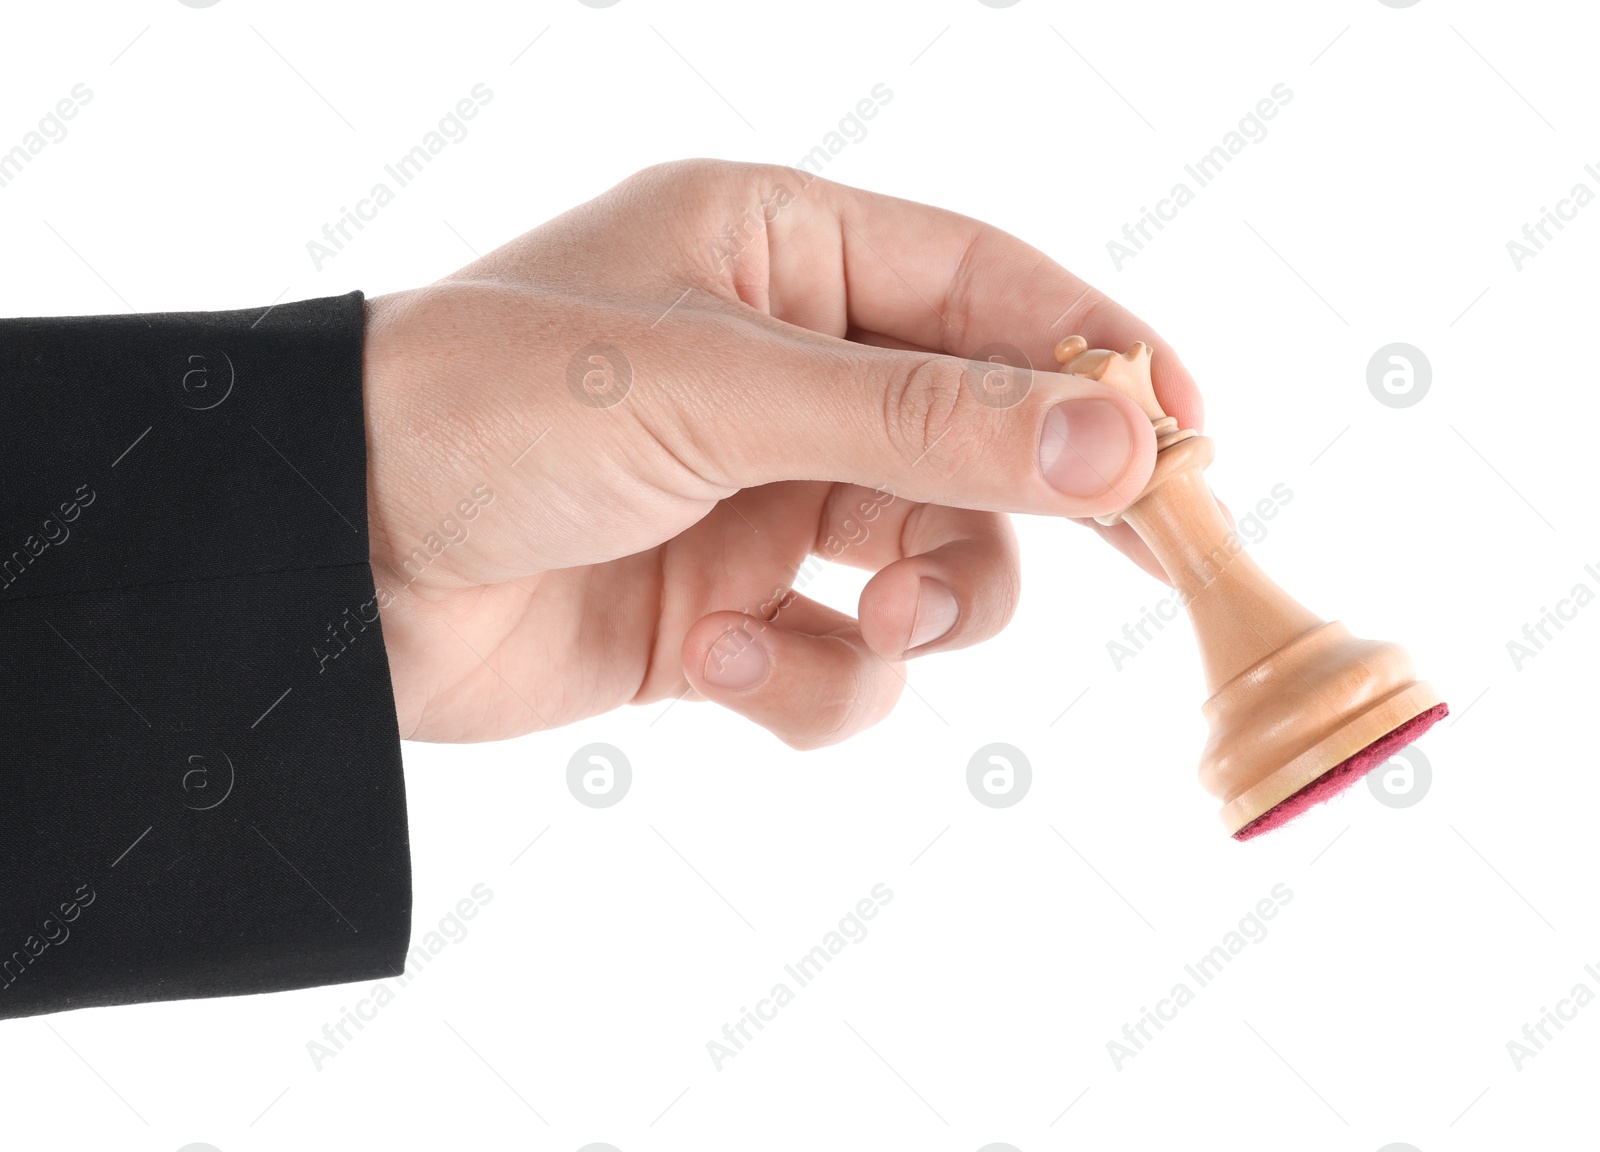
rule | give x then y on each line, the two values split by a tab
200	783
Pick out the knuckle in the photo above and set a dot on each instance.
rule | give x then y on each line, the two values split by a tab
1008	579
680	172
1006	596
829	722
839	710
699	177
922	405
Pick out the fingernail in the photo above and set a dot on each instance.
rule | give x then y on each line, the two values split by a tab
936	614
1085	446
736	661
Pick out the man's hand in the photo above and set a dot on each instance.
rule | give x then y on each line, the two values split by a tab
600	457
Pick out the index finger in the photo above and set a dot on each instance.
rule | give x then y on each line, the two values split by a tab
842	258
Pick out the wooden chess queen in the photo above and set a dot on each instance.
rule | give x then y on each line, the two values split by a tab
1299	708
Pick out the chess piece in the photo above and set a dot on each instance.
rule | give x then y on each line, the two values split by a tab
1299	708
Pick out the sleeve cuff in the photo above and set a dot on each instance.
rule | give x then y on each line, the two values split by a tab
200	778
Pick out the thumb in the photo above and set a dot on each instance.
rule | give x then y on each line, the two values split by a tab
993	435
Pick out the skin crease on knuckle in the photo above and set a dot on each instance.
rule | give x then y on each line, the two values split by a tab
688	200
839	709
702	198
957	306
920	406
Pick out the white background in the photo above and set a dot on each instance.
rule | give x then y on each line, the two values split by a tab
978	1008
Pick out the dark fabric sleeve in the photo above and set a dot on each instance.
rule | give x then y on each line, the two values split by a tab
200	783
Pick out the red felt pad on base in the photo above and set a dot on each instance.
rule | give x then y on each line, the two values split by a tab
1343	774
